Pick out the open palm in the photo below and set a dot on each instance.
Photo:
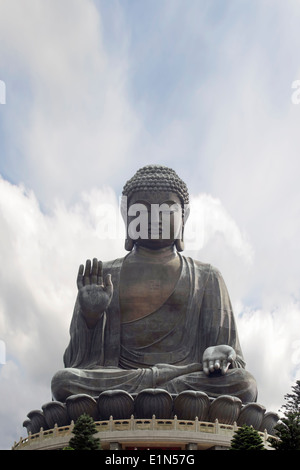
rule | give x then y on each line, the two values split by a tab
94	294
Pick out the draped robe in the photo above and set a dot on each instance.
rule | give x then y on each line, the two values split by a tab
159	349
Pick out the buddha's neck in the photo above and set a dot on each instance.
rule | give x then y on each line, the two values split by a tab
161	255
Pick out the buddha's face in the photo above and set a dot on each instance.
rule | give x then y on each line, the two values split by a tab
154	220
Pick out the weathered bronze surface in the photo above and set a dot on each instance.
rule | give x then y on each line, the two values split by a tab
155	318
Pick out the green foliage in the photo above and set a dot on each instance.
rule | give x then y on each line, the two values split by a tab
288	430
246	438
84	431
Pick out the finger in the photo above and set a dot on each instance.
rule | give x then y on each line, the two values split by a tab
87	272
94	272
217	365
80	276
231	358
108	284
205	368
100	273
225	366
211	366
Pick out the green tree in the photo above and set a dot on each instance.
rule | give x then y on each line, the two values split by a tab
288	429
246	438
84	430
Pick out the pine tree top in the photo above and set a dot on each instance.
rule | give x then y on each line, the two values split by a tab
246	438
84	430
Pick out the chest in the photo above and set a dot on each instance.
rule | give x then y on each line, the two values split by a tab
145	287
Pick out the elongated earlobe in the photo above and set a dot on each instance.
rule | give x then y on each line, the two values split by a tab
129	244
179	244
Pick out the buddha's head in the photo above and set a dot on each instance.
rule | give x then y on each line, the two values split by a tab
155	207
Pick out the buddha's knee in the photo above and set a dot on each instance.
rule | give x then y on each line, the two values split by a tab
60	384
243	383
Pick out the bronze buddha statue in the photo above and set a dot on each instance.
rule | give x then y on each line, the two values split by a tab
154	318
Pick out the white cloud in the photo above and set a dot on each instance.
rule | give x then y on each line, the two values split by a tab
214	237
270	342
79	125
208	218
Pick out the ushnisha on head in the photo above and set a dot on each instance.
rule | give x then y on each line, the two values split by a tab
155	185
156	178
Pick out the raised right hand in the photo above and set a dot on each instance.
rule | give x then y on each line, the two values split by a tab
94	295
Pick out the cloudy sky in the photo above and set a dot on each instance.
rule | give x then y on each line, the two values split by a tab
91	91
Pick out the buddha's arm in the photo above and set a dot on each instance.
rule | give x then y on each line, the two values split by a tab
85	348
222	349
